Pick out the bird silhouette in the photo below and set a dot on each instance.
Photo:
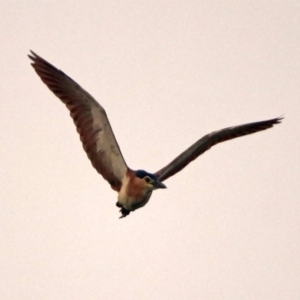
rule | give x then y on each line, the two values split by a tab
134	187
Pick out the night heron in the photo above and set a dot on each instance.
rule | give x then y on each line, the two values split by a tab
134	187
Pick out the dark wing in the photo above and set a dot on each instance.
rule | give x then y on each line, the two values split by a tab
90	119
210	140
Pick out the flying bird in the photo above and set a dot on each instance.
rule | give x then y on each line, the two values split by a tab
134	187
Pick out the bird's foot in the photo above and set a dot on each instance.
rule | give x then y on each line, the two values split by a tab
124	212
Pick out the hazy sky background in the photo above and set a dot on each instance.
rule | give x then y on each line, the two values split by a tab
167	73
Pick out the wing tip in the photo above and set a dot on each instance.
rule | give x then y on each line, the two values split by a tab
32	55
34	58
277	120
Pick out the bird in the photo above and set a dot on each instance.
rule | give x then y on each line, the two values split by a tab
134	187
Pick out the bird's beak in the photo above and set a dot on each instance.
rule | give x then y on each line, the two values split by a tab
159	185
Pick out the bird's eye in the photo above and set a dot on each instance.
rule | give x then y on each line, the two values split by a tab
147	179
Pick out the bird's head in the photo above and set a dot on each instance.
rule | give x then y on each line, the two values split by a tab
150	181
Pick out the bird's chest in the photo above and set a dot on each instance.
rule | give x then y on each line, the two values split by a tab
132	196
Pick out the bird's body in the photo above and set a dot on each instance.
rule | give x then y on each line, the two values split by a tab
132	194
134	187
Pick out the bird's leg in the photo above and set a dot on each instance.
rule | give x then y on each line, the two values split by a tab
124	212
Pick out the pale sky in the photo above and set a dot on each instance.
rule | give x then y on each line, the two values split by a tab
167	73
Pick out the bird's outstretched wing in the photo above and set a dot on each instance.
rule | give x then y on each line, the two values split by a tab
209	140
90	119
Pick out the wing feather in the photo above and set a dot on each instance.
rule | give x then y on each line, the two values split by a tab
209	140
90	119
